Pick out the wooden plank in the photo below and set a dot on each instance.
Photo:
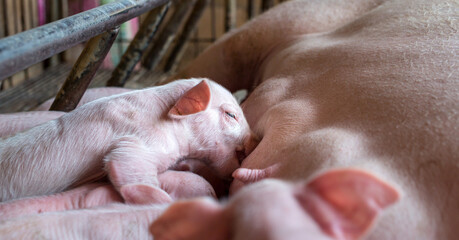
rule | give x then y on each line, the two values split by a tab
267	4
2	19
17	16
52	14
64	9
30	94
230	14
161	44
179	48
35	91
34	10
251	9
10	23
27	14
83	71
36	69
63	13
16	7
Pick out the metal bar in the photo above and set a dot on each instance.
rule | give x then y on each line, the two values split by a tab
230	14
138	46
24	49
178	50
83	71
167	35
266	4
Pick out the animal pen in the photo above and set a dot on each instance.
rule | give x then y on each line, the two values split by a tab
37	49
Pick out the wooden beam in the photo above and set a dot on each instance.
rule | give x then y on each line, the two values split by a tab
27	14
2	19
230	14
10	22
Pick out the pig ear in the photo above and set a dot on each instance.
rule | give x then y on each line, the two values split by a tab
194	220
345	202
193	101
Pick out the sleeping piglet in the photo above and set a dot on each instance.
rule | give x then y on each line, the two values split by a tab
339	204
131	136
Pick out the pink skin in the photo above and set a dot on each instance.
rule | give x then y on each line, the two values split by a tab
17	122
114	221
340	204
13	123
179	185
91	94
117	132
371	84
368	84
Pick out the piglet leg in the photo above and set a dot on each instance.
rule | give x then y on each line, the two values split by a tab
87	196
133	170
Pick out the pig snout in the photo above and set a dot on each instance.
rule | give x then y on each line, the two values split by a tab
249	144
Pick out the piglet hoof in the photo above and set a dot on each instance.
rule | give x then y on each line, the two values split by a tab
144	194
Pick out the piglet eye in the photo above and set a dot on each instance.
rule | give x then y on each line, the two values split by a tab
231	115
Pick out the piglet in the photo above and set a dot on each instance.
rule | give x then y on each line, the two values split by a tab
339	204
114	221
178	184
133	137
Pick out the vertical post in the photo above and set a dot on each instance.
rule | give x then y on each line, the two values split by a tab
17	16
178	50
213	26
138	46
2	19
64	8
34	8
27	14
52	14
266	4
32	22
230	14
250	9
167	35
83	71
9	18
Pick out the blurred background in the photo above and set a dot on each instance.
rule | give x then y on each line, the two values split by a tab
216	18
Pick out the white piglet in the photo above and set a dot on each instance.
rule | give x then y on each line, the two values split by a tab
132	137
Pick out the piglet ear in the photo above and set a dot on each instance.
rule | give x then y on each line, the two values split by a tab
199	219
193	101
345	202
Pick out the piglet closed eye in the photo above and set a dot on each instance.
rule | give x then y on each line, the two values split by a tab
339	204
